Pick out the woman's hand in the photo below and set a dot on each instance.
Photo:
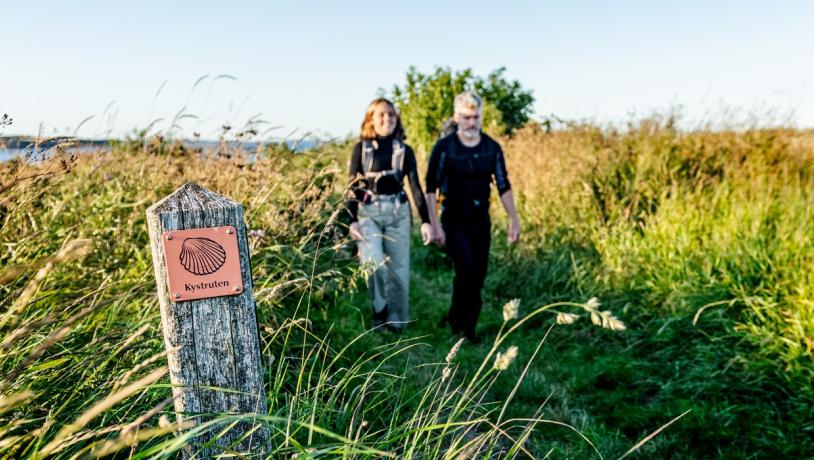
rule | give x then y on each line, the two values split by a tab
427	233
356	232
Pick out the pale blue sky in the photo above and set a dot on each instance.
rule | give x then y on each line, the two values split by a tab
315	65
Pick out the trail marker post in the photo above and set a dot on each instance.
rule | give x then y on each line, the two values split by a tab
201	260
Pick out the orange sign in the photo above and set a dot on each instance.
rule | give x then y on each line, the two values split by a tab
202	263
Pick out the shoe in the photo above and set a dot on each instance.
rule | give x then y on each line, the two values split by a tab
393	329
443	323
472	338
379	319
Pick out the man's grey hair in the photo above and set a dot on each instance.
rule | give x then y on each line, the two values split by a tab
468	100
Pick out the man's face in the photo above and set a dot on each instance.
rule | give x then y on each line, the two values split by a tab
469	122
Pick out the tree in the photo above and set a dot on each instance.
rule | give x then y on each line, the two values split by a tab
513	103
426	101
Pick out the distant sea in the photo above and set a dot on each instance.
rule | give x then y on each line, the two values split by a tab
11	147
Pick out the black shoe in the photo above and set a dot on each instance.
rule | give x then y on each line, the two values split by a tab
394	329
472	338
379	318
443	323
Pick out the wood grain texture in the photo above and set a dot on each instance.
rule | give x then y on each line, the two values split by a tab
213	347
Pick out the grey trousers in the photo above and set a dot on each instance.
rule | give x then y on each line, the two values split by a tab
385	255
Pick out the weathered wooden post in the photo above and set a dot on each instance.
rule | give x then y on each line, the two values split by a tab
203	275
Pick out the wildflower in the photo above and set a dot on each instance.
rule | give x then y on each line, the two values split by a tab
593	303
566	318
332	218
611	322
503	360
615	324
606	320
257	233
510	309
447	372
454	350
596	319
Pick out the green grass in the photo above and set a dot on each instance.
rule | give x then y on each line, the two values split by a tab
700	242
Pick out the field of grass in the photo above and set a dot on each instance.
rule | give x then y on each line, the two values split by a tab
700	243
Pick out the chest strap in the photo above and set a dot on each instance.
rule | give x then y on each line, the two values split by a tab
396	161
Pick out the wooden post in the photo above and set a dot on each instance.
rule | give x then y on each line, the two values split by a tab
212	343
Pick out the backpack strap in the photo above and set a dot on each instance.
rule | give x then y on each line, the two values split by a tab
396	161
367	156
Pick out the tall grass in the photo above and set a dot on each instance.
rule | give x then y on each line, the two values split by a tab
700	242
690	221
703	240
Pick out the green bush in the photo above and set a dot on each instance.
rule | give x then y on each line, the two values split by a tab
426	101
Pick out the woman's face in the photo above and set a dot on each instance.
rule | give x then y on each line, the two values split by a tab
384	119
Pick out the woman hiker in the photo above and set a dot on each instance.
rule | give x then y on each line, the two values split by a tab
380	213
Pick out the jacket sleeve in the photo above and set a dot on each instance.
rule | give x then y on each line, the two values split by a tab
355	183
411	170
501	175
433	168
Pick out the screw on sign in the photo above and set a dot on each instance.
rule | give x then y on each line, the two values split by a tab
203	277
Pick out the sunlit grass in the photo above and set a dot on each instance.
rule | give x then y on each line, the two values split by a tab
697	245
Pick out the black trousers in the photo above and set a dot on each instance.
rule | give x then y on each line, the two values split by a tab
467	244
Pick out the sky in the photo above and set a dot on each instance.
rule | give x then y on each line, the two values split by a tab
313	66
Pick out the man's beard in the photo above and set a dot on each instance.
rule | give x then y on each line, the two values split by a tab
470	133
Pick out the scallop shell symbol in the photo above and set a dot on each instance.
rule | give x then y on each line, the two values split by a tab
202	256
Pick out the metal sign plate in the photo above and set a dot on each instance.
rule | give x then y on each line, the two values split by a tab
202	263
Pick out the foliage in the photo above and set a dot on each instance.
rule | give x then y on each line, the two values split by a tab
700	243
426	101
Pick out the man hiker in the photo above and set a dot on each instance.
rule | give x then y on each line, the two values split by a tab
463	165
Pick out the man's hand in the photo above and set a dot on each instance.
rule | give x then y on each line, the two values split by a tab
427	233
514	223
514	231
356	232
440	235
